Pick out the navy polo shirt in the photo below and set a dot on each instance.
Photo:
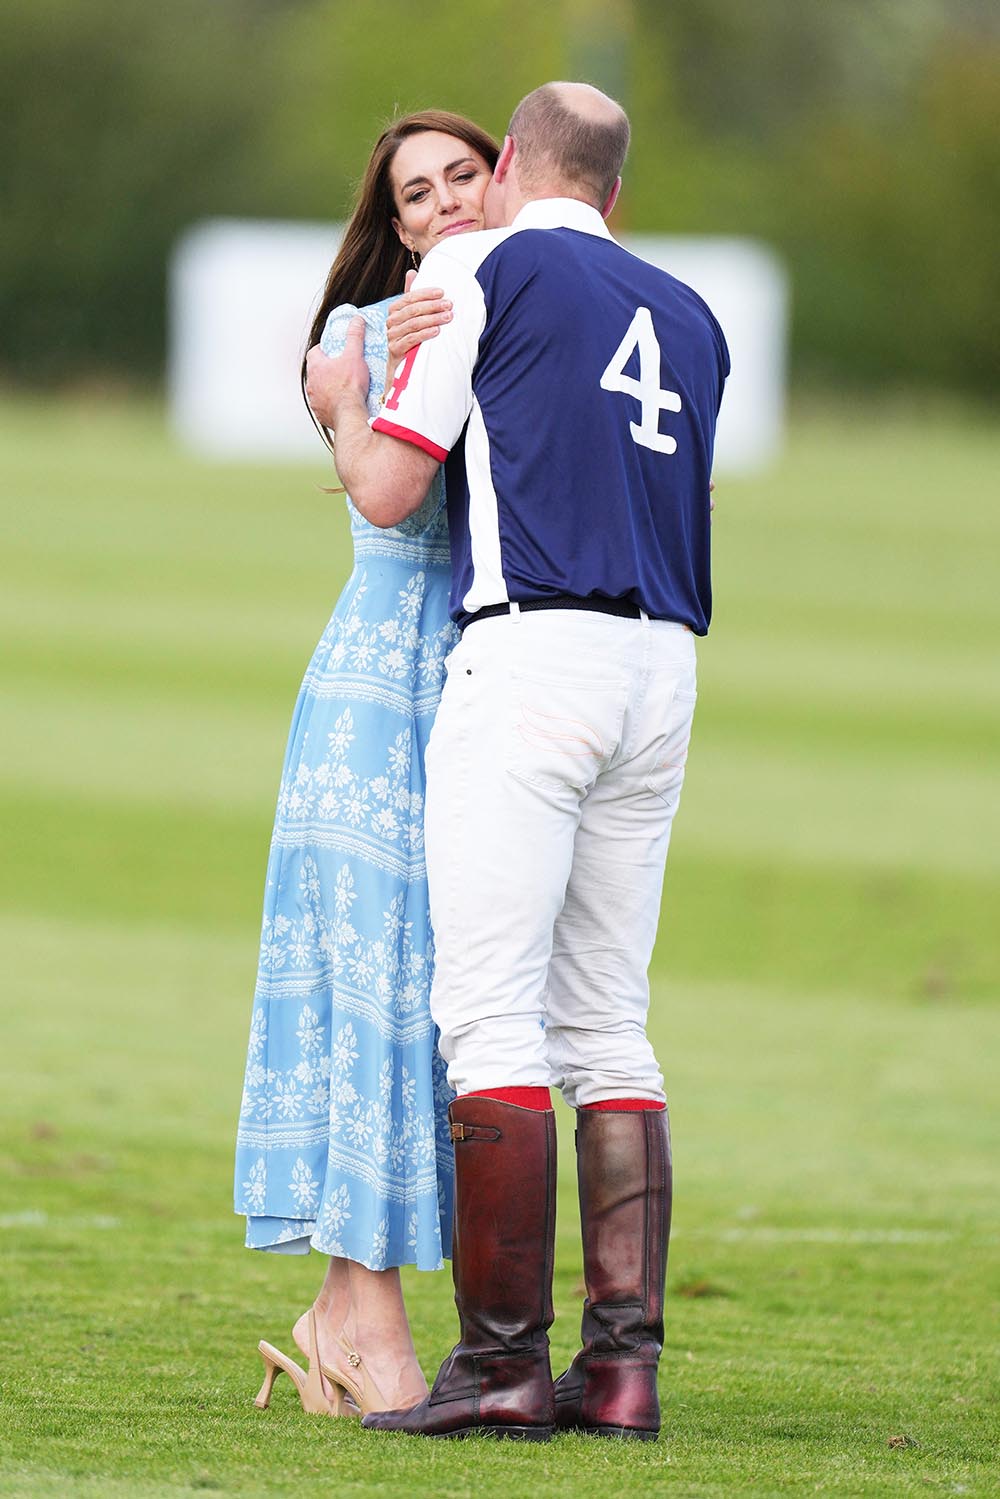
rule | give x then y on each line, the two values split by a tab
573	399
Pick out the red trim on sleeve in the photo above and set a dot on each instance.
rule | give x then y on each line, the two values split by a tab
391	430
401	380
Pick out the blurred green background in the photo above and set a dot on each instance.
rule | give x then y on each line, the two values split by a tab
825	985
860	137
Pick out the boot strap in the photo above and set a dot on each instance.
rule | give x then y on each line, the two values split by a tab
474	1132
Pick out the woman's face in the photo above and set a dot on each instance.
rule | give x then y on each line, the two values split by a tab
438	183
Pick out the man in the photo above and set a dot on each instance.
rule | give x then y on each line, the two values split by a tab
574	396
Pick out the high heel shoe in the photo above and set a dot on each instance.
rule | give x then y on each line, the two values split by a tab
361	1388
308	1382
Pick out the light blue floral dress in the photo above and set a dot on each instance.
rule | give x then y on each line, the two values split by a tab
343	1139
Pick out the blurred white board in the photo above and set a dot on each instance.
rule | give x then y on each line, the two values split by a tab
242	294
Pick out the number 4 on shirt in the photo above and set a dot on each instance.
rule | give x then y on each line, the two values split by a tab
646	389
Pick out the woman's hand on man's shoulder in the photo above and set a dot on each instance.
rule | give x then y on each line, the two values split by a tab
417	316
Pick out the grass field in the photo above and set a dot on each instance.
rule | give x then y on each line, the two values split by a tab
825	987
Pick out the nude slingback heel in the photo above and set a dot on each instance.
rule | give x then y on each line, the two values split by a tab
361	1389
308	1382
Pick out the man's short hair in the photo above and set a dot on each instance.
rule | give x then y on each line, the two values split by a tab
554	141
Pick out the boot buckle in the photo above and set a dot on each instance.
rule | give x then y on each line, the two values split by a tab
473	1131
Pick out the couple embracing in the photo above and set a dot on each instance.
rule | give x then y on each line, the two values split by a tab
526	440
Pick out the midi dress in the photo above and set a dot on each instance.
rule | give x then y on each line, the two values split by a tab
343	1142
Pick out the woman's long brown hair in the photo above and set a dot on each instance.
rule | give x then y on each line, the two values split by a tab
372	261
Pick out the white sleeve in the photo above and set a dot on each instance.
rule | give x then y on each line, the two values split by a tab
431	396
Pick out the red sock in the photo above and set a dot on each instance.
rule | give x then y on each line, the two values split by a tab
623	1105
525	1098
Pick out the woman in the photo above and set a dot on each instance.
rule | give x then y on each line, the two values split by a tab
343	1143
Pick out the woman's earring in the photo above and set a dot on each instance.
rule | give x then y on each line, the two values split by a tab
413	258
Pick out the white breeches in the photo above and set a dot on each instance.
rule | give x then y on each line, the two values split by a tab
554	771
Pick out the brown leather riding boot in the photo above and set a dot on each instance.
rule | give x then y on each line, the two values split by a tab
624	1171
497	1380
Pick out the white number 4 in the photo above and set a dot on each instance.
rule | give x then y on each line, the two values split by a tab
646	389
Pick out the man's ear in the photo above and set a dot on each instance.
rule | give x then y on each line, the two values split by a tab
612	198
504	160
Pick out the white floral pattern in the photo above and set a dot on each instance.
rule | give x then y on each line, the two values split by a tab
255	1187
343	1141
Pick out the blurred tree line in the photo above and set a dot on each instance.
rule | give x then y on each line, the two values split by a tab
860	137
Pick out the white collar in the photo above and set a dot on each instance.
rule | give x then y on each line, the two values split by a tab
561	213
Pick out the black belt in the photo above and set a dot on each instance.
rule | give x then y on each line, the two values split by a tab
620	607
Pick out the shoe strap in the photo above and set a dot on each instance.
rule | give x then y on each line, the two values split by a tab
367	1383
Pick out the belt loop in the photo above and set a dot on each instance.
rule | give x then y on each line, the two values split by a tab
515	612
644	617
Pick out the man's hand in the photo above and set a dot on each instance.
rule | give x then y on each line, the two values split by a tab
332	382
385	477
